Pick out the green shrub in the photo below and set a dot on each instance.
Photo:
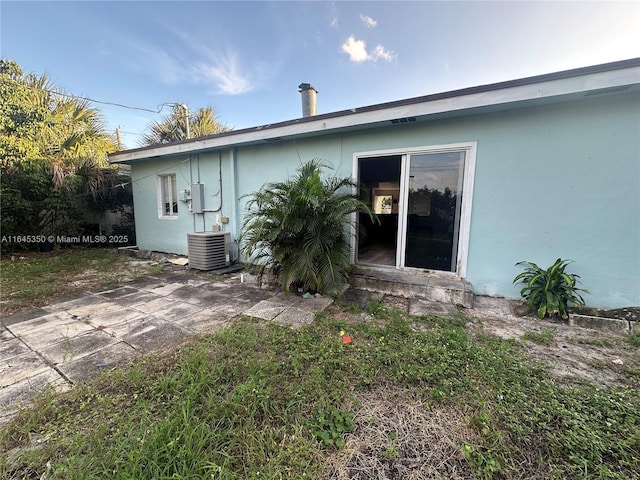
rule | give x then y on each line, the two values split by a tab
296	229
549	291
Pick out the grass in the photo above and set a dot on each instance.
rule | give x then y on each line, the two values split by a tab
545	337
30	279
410	396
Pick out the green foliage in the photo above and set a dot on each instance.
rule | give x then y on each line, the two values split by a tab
39	122
32	205
546	337
549	291
297	229
31	280
53	156
329	427
173	127
252	401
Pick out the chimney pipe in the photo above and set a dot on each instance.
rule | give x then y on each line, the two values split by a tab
308	99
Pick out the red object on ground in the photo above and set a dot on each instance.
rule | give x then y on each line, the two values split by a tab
346	339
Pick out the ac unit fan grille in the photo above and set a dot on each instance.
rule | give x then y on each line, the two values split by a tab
208	250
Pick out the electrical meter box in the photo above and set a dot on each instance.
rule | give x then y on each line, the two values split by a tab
197	197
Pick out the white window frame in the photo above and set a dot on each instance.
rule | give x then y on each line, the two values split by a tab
161	196
467	195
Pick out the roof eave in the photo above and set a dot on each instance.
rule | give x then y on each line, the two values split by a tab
539	88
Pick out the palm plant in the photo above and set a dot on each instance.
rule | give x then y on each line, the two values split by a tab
173	127
549	292
297	230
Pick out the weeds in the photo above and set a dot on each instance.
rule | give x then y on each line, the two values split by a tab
31	280
264	398
545	337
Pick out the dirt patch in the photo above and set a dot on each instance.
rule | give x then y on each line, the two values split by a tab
574	355
397	436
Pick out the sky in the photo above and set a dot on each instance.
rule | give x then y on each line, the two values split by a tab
246	59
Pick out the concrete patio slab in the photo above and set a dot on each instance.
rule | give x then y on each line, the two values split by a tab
114	317
177	311
232	307
151	306
163	289
116	292
75	337
295	317
234	290
88	311
55	333
265	310
43	322
153	334
23	317
73	301
194	295
143	282
76	347
90	365
19	368
119	330
135	298
27	387
286	299
204	321
12	347
5	335
314	304
253	295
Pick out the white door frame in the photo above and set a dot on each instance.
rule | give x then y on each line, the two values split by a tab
467	197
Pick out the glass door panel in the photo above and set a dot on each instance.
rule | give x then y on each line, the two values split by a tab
434	193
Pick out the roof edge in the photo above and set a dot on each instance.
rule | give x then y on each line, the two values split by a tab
576	72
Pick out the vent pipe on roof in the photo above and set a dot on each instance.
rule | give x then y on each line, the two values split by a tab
308	99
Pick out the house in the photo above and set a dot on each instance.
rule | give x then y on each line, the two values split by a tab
466	182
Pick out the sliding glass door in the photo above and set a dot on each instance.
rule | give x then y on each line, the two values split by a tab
423	202
433	203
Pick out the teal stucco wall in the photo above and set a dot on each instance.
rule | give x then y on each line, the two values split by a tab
561	180
170	235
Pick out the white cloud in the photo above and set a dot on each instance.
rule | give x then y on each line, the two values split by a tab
357	51
191	60
225	73
380	52
368	21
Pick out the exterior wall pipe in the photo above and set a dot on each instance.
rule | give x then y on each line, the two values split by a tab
234	188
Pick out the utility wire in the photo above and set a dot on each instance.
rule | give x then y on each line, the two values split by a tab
79	97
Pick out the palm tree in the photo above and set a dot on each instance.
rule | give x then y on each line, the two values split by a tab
53	150
39	122
297	229
173	127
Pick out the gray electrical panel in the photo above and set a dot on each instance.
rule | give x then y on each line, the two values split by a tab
197	197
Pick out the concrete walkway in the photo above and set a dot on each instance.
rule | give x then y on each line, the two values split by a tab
73	338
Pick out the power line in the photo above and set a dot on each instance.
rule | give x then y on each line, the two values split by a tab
79	97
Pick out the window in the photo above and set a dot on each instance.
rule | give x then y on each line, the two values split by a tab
167	196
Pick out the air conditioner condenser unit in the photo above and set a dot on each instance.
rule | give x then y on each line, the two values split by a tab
208	250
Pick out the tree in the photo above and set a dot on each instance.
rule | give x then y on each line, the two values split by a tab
297	229
53	154
39	122
173	127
